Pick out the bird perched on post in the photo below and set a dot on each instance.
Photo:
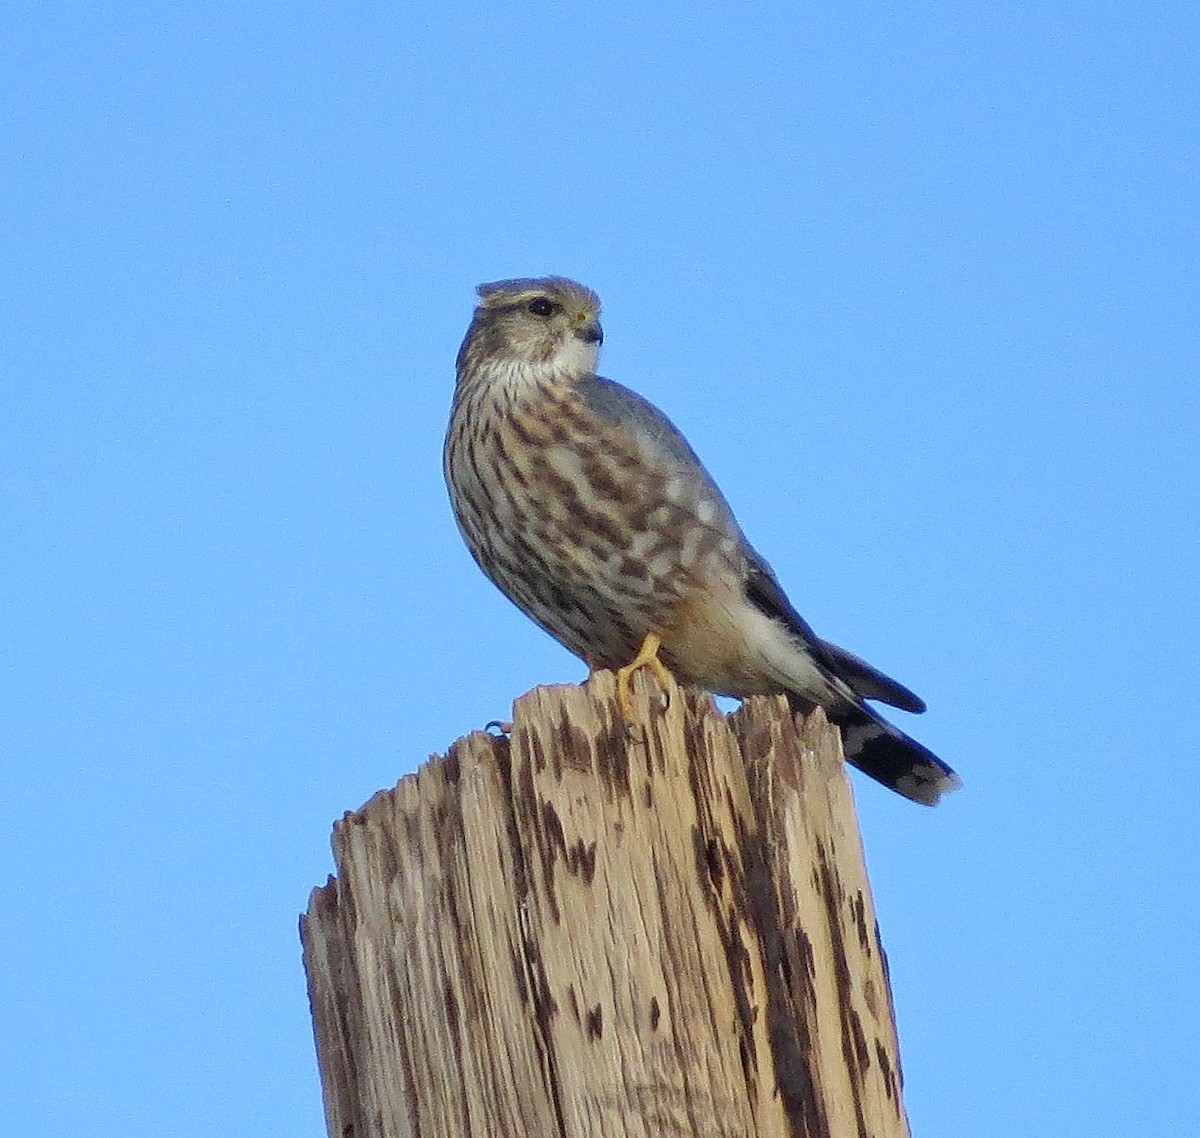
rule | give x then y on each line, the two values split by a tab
591	512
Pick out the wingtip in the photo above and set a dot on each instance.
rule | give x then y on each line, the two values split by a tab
917	705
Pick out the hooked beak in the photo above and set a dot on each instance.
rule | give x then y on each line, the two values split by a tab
590	332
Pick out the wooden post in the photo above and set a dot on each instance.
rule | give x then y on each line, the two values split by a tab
583	930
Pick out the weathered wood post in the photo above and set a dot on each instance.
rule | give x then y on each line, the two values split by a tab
581	930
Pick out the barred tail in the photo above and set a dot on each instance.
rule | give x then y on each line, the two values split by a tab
889	756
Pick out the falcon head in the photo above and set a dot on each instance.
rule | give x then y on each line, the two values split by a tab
548	322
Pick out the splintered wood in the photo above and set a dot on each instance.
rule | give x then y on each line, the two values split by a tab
591	930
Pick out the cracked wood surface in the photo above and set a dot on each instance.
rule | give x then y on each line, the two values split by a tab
579	931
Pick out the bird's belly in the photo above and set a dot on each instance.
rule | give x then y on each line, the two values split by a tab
708	640
597	568
592	539
584	589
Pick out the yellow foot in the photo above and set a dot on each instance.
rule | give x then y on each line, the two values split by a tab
647	657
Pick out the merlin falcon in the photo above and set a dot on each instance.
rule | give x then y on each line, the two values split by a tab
591	512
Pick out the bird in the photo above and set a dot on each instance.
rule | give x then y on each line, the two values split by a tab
590	511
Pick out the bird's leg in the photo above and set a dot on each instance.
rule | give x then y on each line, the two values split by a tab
647	657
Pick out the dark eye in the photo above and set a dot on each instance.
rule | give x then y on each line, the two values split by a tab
540	306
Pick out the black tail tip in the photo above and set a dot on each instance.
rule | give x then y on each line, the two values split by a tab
901	764
925	784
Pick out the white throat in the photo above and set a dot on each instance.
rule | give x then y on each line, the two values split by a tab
575	358
511	379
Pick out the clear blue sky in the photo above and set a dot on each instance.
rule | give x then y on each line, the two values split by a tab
922	288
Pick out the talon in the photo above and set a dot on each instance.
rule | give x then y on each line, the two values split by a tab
647	657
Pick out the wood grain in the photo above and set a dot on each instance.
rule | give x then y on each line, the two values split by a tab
582	930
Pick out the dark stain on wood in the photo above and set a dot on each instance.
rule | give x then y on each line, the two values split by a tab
859	910
854	1049
581	860
891	1074
552	844
574	750
788	1011
714	863
612	755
